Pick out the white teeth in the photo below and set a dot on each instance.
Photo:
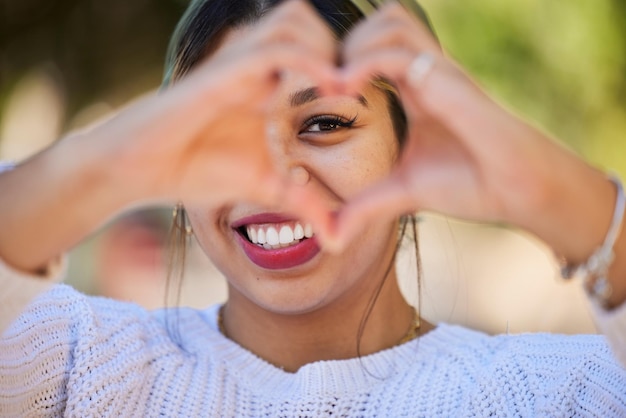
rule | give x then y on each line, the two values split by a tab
278	236
252	235
261	237
298	232
271	236
308	230
286	235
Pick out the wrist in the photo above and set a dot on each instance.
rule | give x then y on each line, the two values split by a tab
57	198
581	220
576	210
595	271
88	170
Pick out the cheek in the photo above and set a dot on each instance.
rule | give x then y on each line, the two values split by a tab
207	232
351	167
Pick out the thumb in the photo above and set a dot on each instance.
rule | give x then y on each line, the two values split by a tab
309	206
301	202
386	199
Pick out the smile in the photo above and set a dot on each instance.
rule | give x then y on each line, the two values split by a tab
275	236
274	242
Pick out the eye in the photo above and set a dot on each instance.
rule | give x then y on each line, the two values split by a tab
327	124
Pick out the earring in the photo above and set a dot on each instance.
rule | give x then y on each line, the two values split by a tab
177	208
181	223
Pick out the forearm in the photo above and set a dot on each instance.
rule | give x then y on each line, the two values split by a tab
576	215
52	201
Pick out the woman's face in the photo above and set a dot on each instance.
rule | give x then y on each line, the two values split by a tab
336	146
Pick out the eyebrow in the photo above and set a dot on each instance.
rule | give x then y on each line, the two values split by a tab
304	96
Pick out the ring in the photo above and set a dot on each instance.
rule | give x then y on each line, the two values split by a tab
419	69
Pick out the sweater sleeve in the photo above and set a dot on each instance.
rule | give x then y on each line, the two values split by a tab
613	325
550	376
68	353
19	289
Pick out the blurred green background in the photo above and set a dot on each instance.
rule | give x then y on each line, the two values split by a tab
559	63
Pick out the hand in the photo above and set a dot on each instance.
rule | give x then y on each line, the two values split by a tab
465	156
203	140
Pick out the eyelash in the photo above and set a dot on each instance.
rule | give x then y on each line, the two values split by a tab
337	122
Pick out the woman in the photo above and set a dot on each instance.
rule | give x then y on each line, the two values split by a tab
293	173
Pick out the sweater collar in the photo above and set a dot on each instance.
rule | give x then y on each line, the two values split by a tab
323	377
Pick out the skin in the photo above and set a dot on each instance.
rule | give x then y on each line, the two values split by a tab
198	142
289	316
468	157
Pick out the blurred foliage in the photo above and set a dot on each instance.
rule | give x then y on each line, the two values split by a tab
560	63
99	50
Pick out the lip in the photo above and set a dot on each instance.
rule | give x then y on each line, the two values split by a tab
278	259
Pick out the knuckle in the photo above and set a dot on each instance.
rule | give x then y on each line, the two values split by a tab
295	9
396	38
397	9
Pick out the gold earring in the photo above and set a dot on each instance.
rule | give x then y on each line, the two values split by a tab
177	208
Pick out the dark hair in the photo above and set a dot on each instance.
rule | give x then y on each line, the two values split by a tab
200	32
204	24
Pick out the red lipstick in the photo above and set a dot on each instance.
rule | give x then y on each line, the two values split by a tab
278	258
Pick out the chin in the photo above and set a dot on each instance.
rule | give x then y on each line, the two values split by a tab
287	294
273	261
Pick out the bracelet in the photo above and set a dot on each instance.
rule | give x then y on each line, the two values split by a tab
594	271
6	166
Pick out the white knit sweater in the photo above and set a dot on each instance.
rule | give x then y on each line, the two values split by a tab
79	356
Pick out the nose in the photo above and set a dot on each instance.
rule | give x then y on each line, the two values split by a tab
282	149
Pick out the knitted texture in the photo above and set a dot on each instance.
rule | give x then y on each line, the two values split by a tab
79	356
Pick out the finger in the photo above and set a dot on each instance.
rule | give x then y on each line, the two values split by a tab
385	200
310	206
391	27
271	64
298	25
443	91
250	80
390	35
298	22
391	63
293	58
